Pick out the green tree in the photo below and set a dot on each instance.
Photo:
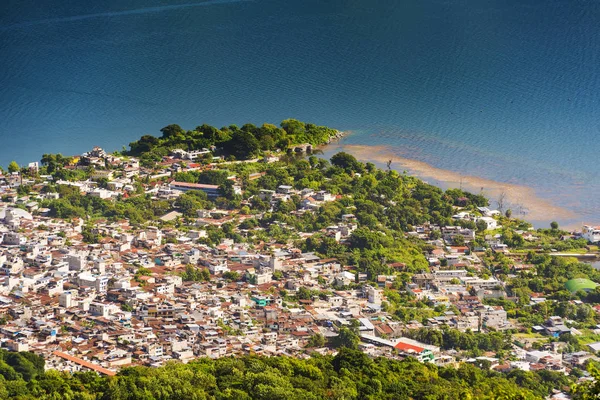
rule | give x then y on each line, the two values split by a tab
170	131
226	189
588	390
13	167
316	340
347	162
459	240
195	274
90	235
481	225
243	145
293	127
346	338
303	293
277	275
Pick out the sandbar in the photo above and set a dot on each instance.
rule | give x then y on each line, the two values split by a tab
522	200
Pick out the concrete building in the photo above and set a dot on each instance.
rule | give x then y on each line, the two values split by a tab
591	233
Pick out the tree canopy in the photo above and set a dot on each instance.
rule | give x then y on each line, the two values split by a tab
349	375
13	167
241	143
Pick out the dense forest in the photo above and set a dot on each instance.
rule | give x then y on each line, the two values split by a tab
349	375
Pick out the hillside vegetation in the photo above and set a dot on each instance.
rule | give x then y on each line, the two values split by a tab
349	375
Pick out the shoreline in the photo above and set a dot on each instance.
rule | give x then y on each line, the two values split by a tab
523	200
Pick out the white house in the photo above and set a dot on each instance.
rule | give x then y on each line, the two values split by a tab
591	233
491	222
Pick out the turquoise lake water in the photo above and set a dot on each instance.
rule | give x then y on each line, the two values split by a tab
507	90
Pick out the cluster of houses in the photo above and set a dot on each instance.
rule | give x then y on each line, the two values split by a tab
131	300
124	301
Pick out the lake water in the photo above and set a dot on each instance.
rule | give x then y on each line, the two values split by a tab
507	90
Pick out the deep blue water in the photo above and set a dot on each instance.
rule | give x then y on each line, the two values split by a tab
507	90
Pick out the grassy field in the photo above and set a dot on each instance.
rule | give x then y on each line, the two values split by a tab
528	336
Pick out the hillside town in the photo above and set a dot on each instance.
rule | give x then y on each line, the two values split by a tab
105	293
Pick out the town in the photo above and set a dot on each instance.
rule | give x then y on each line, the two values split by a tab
111	260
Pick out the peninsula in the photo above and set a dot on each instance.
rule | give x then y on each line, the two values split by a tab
235	263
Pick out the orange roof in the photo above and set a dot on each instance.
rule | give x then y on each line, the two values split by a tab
84	363
408	347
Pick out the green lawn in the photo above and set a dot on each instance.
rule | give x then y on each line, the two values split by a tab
528	336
